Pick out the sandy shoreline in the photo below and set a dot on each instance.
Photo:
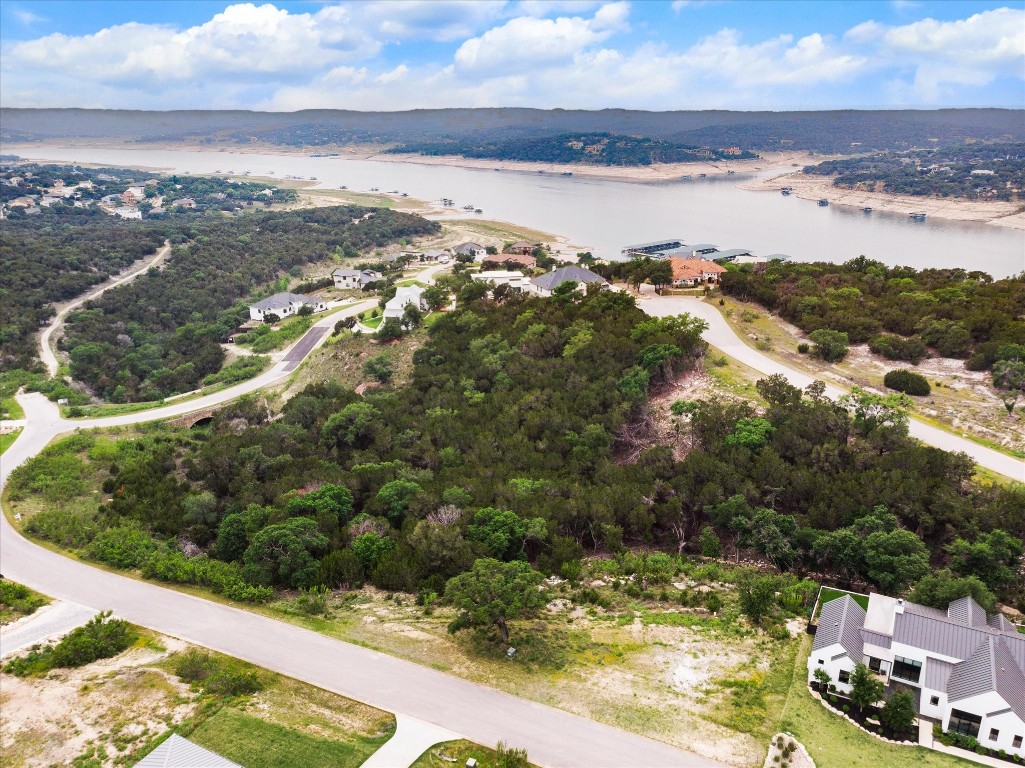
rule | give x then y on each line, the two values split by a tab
808	187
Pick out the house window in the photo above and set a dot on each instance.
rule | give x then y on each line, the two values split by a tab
994	734
821	662
906	669
1016	742
934	700
964	723
874	664
844	676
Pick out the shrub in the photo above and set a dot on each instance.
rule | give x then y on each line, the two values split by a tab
20	598
194	666
122	547
908	382
99	638
830	346
803	348
313	601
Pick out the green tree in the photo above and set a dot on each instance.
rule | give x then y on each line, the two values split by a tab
493	593
342	568
370	547
757	597
829	345
898	714
711	544
285	554
993	557
871	412
390	330
379	367
435	297
941	588
330	505
354	426
501	532
866	688
396	496
751	433
895	559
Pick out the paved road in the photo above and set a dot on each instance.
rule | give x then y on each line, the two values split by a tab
49	622
46	353
719	334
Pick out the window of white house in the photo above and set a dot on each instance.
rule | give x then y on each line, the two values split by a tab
874	663
994	734
1016	742
964	723
844	676
821	662
934	700
906	669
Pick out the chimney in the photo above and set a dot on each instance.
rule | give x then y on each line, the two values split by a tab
899	607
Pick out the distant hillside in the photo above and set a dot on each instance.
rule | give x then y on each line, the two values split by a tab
588	148
834	131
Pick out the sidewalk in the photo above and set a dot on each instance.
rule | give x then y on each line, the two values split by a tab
411	739
52	621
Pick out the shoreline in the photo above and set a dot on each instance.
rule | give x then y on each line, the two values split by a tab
809	187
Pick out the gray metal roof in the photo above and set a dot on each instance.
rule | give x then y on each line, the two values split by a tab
937	674
966	611
703	247
179	752
467	247
551	280
841	621
671	242
1001	624
283	300
732	252
990	668
875	638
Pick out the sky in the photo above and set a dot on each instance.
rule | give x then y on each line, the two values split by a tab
573	54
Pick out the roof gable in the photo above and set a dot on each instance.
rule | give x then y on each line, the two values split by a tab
841	621
179	752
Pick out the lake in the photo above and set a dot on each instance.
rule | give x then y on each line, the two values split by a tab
605	215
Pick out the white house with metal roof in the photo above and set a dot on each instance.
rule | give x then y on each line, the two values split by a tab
967	670
283	305
543	285
517	281
404	296
357	279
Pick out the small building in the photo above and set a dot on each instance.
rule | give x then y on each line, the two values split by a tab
545	284
656	246
184	202
965	669
508	261
128	212
688	273
522	247
178	752
472	249
404	296
355	279
517	281
283	305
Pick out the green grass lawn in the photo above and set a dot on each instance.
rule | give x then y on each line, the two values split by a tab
371	322
255	743
8	438
9	409
833	742
828	593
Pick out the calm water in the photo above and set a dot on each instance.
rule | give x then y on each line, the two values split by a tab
606	215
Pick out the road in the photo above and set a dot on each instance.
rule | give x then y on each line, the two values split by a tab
720	335
552	737
46	353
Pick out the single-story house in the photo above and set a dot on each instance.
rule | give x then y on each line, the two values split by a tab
473	249
516	281
184	202
284	305
521	246
128	212
691	272
548	282
357	279
178	752
434	256
407	294
512	259
966	669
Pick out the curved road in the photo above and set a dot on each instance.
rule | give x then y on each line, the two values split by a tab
551	736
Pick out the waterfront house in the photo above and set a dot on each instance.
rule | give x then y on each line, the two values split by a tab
470	248
509	260
283	305
522	247
516	281
355	279
688	273
545	284
965	669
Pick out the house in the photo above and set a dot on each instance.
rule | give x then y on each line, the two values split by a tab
690	272
184	202
127	212
966	669
510	259
407	294
516	281
178	752
548	282
284	304
473	249
522	247
357	279
132	195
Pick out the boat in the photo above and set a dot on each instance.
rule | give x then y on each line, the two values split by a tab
374	189
867	209
823	202
567	173
467	207
343	187
730	171
785	191
687	177
478	210
702	175
918	216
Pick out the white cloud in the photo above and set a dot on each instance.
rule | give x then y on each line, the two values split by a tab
528	42
396	74
26	17
439	20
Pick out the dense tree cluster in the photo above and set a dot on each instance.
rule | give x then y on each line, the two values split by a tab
508	445
973	171
902	313
586	148
160	334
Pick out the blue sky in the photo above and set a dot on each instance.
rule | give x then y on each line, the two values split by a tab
404	54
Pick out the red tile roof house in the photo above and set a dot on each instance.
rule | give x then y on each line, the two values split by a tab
521	247
691	272
499	260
